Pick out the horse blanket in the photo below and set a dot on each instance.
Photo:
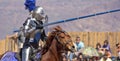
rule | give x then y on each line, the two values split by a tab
9	56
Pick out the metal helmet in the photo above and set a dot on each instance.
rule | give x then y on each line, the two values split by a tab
38	13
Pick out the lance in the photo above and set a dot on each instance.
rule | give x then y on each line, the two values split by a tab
81	17
76	18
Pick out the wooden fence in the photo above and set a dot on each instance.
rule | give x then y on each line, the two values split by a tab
89	39
92	38
9	44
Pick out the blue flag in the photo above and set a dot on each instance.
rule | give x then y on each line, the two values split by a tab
30	4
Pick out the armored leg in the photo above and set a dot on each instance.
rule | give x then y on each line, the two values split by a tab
26	53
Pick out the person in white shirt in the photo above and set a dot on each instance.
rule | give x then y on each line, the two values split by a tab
79	44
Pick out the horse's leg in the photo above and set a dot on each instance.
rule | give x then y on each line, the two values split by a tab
26	53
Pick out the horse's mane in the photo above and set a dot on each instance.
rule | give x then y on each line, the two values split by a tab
53	33
51	36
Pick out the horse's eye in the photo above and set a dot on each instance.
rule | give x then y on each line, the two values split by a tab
62	37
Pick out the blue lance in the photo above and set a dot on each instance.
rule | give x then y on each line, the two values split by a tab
81	17
76	18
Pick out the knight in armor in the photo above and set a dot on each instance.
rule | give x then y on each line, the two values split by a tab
34	23
33	29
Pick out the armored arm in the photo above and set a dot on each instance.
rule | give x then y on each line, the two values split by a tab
29	26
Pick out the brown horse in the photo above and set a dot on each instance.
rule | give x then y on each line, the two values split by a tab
58	42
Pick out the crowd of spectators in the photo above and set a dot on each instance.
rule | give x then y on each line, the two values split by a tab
105	53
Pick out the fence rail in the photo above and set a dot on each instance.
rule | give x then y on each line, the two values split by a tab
89	39
9	44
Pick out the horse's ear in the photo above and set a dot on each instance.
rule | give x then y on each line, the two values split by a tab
58	28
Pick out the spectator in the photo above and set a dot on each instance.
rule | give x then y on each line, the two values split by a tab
80	57
106	45
100	49
118	50
107	56
64	58
79	44
98	46
107	53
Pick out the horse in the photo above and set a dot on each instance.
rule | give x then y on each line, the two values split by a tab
58	42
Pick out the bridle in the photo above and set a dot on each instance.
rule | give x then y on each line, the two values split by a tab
60	44
58	40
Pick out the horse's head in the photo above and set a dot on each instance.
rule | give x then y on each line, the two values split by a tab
64	39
